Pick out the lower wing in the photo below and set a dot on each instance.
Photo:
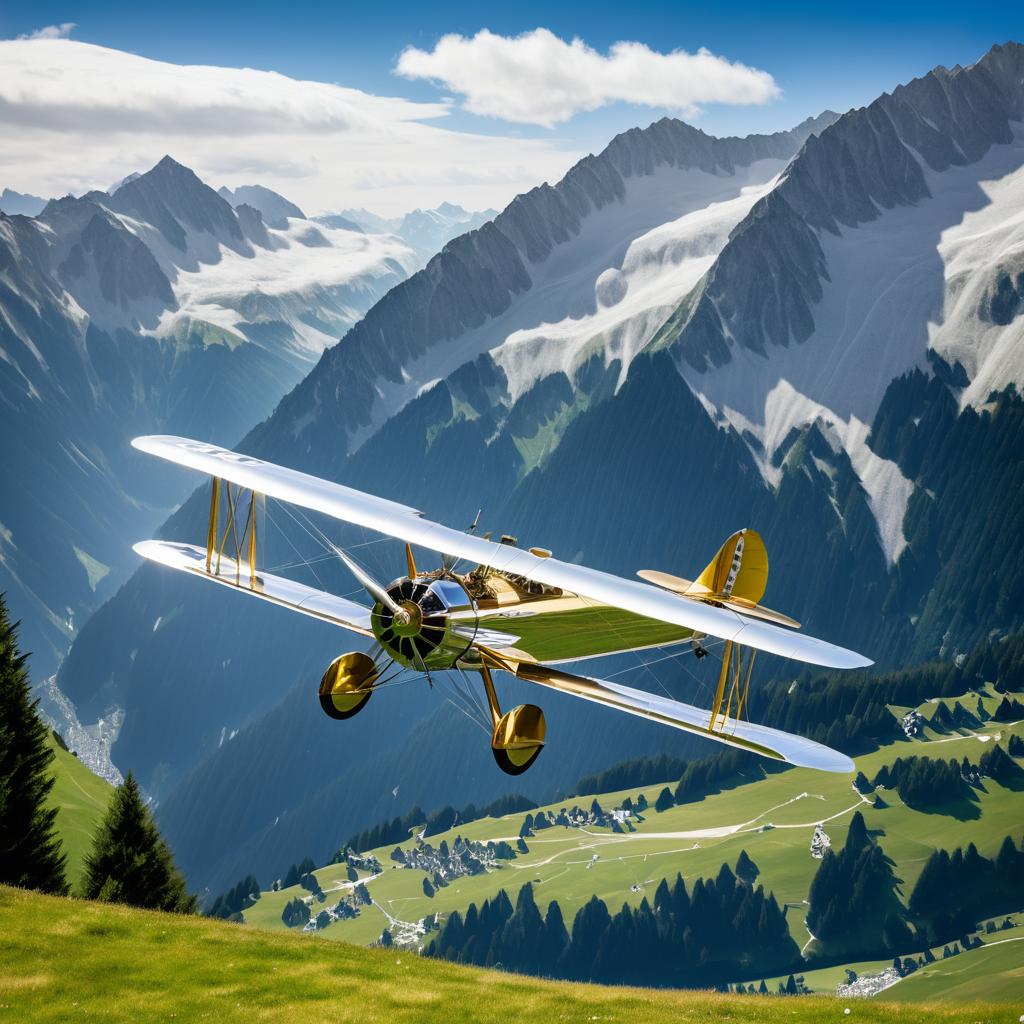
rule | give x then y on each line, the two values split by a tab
758	739
280	591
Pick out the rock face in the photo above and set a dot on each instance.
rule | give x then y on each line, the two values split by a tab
123	313
873	160
12	203
812	333
274	208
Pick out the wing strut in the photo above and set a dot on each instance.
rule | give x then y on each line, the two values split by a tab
732	675
247	538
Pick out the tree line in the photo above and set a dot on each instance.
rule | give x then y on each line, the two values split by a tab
842	712
683	938
854	899
397	829
229	905
956	890
129	862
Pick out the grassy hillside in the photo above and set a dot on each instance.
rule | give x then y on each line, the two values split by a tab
772	819
994	971
81	798
65	959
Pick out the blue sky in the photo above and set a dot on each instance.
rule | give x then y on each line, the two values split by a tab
827	55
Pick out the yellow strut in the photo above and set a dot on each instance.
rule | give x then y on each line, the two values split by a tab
211	533
723	675
213	546
492	697
738	681
252	542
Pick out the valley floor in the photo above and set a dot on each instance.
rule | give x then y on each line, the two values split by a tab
64	959
773	819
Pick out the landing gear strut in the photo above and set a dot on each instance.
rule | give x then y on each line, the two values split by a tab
518	736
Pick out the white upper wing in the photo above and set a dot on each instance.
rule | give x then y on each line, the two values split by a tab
407	524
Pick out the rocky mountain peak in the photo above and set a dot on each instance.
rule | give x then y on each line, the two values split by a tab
172	198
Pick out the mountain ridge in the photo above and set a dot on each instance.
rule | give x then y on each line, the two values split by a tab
573	426
487	268
118	315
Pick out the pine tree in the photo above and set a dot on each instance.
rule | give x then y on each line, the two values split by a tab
130	862
861	783
746	869
665	800
30	850
556	938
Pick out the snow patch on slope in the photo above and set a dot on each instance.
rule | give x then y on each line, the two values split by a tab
632	299
607	289
987	241
906	282
341	279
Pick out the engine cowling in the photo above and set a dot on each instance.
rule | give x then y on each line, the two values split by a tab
423	635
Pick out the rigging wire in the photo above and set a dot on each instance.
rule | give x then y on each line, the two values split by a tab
298	553
477	712
459	707
477	700
596	606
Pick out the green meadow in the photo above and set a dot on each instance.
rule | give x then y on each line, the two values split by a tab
772	818
67	959
81	798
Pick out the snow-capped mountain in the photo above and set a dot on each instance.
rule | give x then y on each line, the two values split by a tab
895	239
424	231
152	305
595	263
815	333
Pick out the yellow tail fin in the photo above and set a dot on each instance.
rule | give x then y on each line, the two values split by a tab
739	570
736	578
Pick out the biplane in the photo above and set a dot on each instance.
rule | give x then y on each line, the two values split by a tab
514	610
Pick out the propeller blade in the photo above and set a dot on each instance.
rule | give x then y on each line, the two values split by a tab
369	584
410	562
417	660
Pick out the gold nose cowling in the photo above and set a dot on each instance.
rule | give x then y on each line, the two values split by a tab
518	738
347	685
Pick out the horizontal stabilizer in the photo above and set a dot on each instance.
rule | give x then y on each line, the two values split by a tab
686	588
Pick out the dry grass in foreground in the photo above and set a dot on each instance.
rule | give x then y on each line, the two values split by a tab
66	959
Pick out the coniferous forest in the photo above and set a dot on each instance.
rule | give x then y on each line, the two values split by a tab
707	934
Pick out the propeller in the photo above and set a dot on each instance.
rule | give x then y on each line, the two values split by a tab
373	588
402	616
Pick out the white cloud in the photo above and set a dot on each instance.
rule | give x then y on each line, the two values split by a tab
538	78
61	31
75	116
